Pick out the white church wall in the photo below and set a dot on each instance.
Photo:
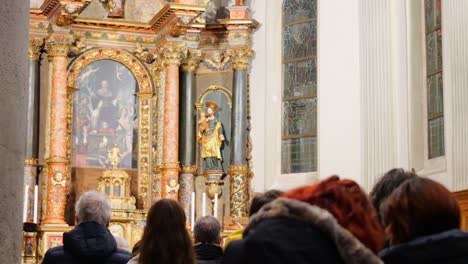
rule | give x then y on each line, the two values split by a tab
339	97
371	92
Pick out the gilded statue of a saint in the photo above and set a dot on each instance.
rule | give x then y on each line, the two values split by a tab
210	137
114	156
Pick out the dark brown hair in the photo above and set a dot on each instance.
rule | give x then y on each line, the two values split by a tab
419	207
349	204
386	185
165	238
260	199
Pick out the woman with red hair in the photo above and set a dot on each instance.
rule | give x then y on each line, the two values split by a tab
331	222
422	220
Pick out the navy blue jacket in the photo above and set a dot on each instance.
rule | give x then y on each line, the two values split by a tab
88	243
450	247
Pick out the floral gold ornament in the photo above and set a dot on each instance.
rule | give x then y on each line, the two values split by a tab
194	58
240	57
35	47
219	61
58	45
173	53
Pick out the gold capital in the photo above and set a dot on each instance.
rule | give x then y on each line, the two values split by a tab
35	47
240	57
194	58
58	45
173	53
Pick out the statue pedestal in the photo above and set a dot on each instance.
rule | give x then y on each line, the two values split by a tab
213	183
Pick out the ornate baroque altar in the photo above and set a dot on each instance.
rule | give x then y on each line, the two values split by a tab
163	86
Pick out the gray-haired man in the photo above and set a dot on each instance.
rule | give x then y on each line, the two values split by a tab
207	235
90	241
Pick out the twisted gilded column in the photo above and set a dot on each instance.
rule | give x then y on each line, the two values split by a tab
172	54
187	118
238	168
57	46
32	125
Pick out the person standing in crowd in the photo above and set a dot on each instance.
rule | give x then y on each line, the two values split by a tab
259	200
165	238
330	222
207	236
90	241
422	222
386	185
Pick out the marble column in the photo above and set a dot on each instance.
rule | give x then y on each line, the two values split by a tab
58	46
238	168
187	153
32	126
173	54
14	25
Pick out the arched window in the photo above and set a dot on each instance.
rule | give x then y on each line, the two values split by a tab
299	99
435	101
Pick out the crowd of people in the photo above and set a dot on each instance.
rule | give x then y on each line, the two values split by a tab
405	219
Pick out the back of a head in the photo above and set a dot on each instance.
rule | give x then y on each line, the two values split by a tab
260	199
207	230
93	206
419	207
165	238
386	185
348	203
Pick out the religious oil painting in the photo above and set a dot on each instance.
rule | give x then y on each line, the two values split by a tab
105	115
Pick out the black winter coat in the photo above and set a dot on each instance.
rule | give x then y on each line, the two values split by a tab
208	254
450	247
289	231
87	243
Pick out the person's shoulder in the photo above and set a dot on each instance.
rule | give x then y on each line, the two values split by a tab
54	254
120	256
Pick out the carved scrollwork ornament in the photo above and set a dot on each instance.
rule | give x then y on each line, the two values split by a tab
194	58
58	45
173	53
240	57
78	46
219	61
143	53
35	47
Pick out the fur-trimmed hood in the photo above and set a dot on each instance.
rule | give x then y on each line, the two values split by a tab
351	250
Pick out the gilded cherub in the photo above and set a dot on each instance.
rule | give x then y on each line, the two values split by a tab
114	156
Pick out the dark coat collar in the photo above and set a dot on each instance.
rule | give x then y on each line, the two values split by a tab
208	251
444	247
352	251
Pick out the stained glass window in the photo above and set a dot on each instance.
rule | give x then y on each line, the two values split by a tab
299	127
435	98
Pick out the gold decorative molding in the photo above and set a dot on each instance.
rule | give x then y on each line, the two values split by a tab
31	162
55	159
173	53
238	169
145	95
194	57
58	45
188	169
215	88
170	166
138	69
240	57
35	47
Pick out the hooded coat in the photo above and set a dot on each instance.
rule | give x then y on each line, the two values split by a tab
89	243
450	247
291	231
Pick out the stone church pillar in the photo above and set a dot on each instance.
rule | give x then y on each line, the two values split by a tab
14	24
173	54
187	127
58	46
238	169
32	125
